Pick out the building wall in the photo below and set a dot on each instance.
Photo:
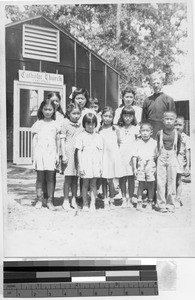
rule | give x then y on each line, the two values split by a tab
182	109
76	71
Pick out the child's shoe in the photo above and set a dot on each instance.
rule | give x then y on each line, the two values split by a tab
124	202
73	203
85	209
129	202
163	210
111	200
50	205
149	205
38	204
66	205
106	203
92	207
139	205
171	208
177	204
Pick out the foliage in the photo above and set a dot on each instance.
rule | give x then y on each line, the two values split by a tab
137	39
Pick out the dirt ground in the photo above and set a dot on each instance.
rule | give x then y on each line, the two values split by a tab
120	232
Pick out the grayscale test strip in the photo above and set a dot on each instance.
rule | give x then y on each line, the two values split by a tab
28	279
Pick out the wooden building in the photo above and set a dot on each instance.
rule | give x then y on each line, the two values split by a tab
182	93
41	57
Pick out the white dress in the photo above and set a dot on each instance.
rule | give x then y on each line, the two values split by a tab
138	113
127	145
91	153
112	164
46	147
70	132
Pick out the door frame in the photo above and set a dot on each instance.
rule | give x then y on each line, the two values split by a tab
16	108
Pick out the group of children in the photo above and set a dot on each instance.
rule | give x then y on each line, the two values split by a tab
96	147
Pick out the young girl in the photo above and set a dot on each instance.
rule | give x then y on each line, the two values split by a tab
45	151
80	96
128	98
128	132
144	164
70	130
94	105
56	99
112	166
89	147
59	116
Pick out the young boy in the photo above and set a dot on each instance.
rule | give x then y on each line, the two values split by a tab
183	157
144	164
168	144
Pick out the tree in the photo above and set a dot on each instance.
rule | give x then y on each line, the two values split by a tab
137	39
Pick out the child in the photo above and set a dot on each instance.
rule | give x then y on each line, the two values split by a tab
45	151
112	165
128	132
128	98
94	105
183	157
168	145
55	97
89	145
144	164
59	116
80	96
70	130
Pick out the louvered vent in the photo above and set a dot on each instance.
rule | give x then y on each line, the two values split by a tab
40	43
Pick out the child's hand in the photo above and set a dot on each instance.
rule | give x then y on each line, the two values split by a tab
135	172
57	159
82	173
64	160
187	172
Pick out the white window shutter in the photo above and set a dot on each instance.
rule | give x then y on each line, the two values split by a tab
40	43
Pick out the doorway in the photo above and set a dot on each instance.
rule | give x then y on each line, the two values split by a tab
27	99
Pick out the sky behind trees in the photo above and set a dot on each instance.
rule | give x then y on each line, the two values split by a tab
135	38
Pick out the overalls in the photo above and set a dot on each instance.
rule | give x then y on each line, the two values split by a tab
167	167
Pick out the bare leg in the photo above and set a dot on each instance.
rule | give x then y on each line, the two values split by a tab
74	191
85	186
151	189
67	183
178	190
141	187
105	192
122	184
131	186
111	188
111	192
39	188
93	189
105	188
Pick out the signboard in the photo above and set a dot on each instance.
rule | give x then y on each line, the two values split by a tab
41	77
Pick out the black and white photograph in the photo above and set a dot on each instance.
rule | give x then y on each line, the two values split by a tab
98	132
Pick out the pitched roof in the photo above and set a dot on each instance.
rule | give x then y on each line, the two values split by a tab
69	35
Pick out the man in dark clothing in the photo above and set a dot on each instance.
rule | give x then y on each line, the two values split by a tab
155	105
